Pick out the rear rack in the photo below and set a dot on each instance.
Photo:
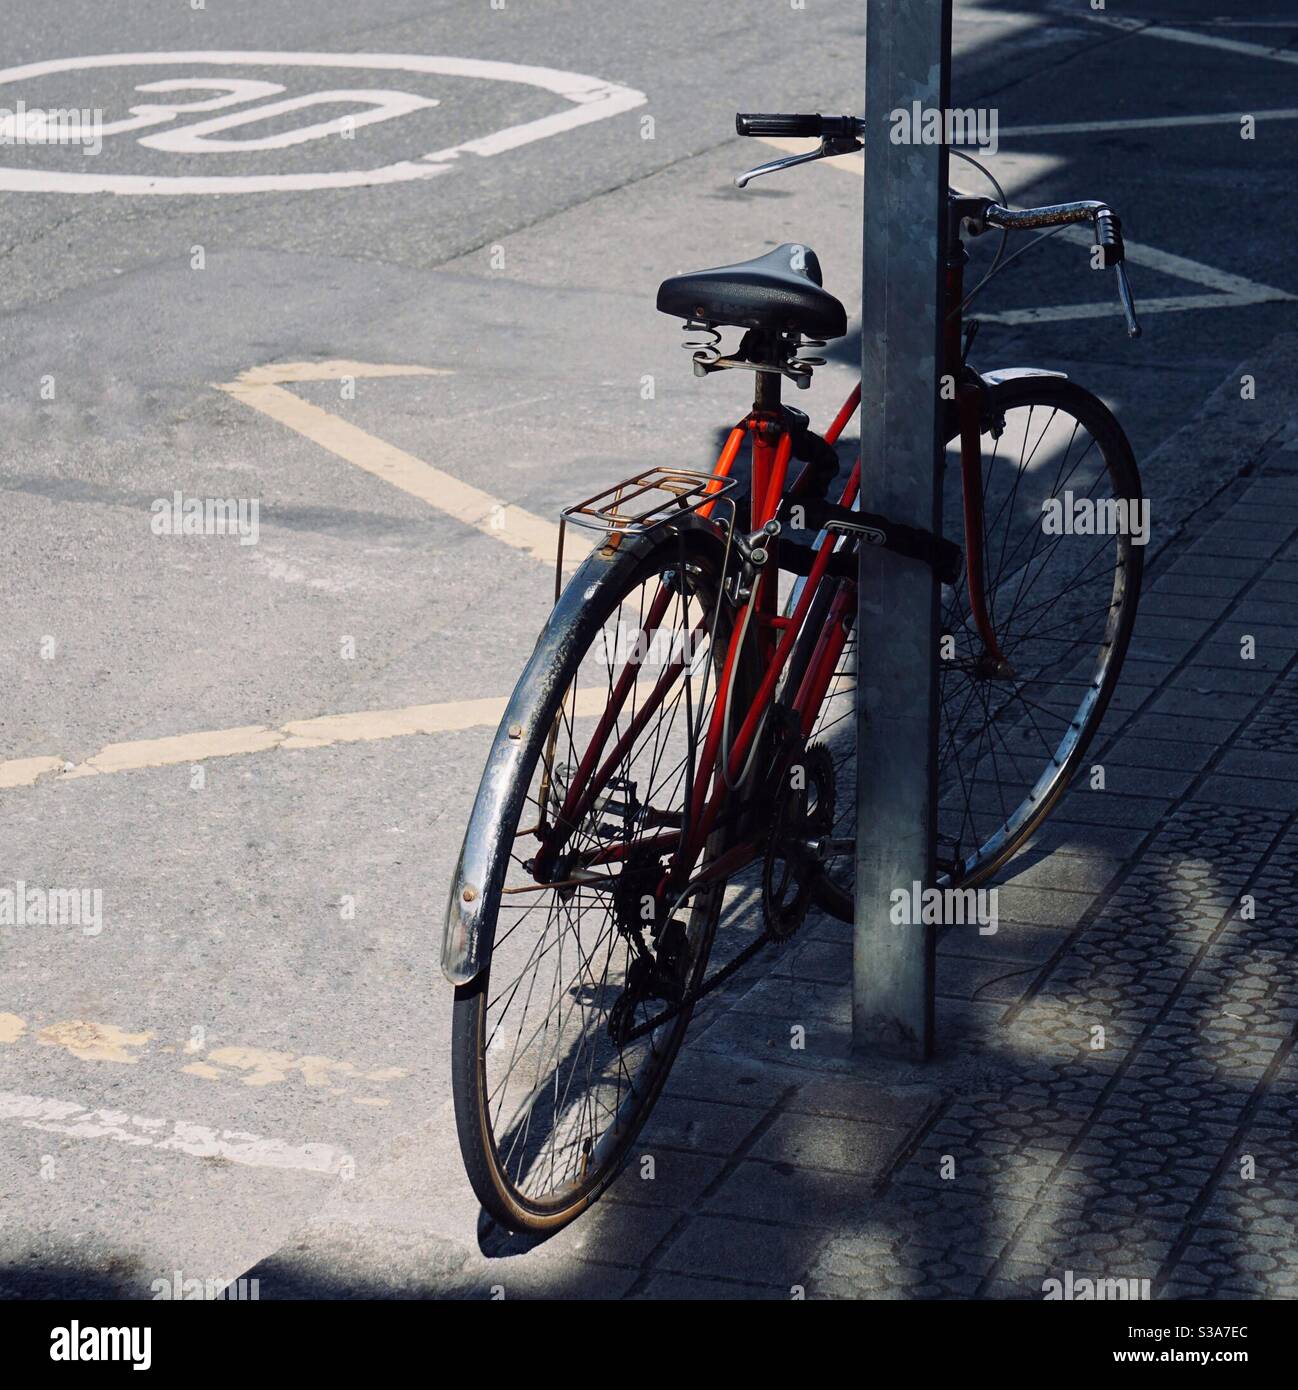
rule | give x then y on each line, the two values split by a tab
638	504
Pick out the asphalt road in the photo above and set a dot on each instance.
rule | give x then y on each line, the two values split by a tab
259	1015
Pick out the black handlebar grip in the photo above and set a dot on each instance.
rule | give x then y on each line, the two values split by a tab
1108	237
763	123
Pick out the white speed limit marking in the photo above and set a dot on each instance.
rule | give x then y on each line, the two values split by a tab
167	126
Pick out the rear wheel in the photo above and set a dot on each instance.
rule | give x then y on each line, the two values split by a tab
560	1043
1062	605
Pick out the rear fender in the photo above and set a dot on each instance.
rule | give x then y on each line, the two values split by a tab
480	870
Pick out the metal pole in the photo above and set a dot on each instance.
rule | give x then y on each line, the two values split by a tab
908	61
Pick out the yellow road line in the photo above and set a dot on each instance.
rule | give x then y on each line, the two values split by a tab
335	370
260	389
258	1067
365	726
22	772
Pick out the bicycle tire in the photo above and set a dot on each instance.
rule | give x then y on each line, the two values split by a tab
502	1193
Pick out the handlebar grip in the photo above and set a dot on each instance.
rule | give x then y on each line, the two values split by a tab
1108	237
812	124
764	123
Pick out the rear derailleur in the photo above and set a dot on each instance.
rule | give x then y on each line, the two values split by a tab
658	971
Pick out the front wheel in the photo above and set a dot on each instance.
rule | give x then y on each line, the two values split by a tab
1062	517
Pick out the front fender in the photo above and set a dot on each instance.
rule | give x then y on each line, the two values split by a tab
996	377
999	374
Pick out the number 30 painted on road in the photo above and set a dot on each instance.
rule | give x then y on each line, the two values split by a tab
591	98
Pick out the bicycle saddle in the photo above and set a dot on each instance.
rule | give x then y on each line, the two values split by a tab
780	291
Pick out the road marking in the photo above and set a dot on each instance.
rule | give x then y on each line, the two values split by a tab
1160	31
170	1136
365	726
262	1067
94	1042
23	772
590	98
334	370
1149	123
261	389
1228	291
250	1066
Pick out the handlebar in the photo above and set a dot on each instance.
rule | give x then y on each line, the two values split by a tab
976	215
842	135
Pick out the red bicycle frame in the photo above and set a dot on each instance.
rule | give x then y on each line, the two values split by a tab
772	446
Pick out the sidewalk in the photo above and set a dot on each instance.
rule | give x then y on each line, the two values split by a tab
1116	1092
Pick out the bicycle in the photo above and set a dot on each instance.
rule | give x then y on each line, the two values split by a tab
678	729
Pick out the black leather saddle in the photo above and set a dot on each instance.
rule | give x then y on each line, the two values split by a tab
778	292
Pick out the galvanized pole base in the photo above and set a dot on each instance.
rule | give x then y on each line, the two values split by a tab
908	47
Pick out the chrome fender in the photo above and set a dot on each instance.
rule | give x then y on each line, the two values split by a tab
999	374
469	929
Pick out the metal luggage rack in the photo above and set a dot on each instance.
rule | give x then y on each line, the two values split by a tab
644	501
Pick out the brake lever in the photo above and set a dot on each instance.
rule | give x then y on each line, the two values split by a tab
828	147
1128	305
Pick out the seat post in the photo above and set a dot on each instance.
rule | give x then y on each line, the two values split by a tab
772	446
764	424
766	394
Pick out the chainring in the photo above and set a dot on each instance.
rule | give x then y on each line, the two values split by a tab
803	814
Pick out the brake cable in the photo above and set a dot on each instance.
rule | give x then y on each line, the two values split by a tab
1005	236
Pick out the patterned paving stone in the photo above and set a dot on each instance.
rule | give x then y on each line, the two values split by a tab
1243	1265
1025	1122
993	1170
1266	1202
1095	1241
887	1265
